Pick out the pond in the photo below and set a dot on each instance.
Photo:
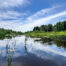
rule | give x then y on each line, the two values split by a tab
25	51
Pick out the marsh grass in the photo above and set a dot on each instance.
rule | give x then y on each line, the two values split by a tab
59	36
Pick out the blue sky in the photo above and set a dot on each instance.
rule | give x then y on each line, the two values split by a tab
24	15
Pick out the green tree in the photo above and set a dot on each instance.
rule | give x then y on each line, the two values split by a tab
36	28
64	24
50	27
58	26
44	28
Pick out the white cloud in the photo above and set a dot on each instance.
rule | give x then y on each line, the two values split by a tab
43	13
41	21
19	26
12	3
14	25
35	20
11	15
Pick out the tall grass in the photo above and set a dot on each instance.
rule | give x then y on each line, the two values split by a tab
53	35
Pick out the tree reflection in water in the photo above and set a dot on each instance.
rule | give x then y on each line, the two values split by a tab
25	46
10	51
57	43
60	44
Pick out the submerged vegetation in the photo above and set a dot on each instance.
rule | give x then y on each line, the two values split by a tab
50	32
8	33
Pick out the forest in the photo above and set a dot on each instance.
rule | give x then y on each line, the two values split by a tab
8	33
59	26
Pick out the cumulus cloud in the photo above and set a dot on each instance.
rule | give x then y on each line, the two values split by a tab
11	15
7	12
9	18
12	3
14	25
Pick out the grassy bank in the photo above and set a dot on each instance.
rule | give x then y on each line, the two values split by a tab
59	36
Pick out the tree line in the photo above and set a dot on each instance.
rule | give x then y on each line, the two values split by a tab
4	33
59	26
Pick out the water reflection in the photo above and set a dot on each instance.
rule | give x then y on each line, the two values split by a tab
57	43
25	46
62	44
10	51
4	37
24	51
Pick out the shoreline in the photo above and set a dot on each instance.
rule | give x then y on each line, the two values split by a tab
49	36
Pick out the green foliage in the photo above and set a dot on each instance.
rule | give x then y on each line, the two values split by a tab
60	36
8	33
50	27
56	32
44	28
64	24
36	28
60	26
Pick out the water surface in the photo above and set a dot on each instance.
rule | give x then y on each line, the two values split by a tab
25	51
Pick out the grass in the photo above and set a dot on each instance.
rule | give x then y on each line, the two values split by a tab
52	35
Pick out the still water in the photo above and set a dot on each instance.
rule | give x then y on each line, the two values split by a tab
25	51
